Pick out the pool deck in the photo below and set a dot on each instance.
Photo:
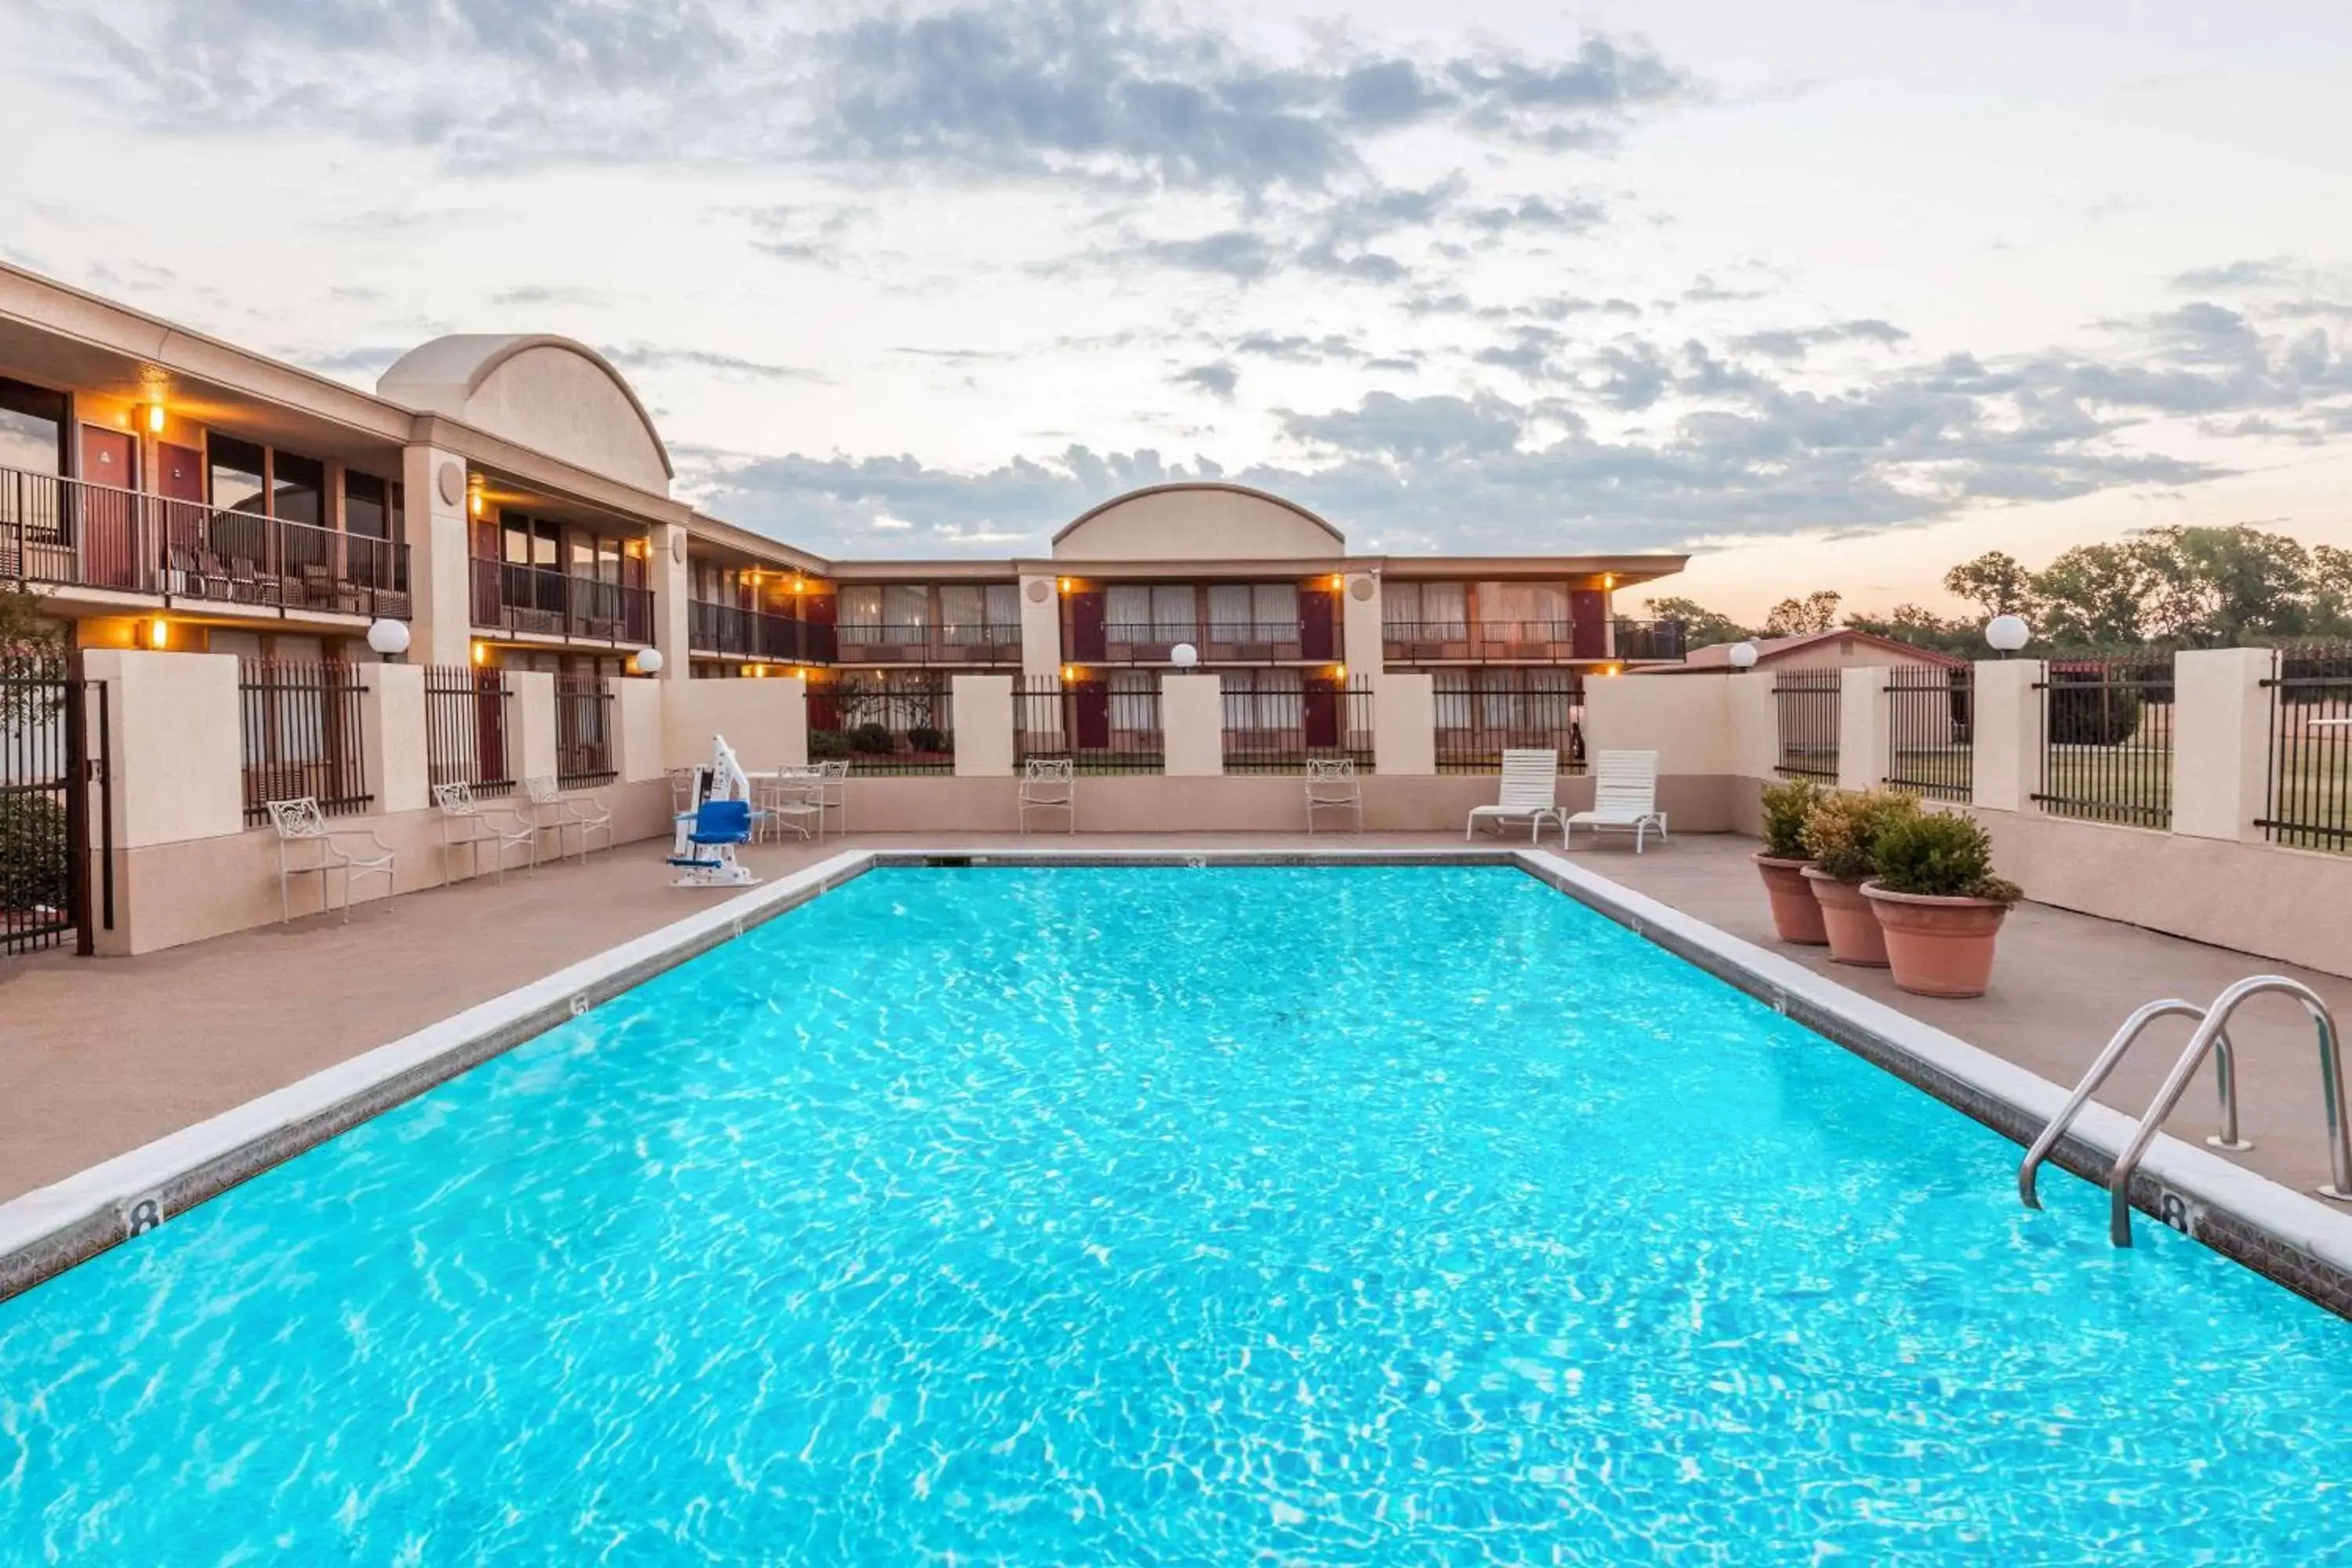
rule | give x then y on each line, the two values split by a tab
98	1057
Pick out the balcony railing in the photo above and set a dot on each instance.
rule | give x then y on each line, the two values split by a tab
953	642
77	534
1553	642
536	600
1217	642
755	634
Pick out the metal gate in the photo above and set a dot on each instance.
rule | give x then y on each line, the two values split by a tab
56	744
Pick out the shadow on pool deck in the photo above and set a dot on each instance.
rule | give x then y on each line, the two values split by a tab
98	1055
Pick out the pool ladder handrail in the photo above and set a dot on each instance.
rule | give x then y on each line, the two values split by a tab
2225	1084
2211	1036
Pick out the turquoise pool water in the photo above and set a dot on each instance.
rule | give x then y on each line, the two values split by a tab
1169	1217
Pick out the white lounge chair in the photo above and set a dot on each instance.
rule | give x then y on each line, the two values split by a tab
300	822
1332	785
1625	795
793	798
465	825
1049	783
553	811
1530	791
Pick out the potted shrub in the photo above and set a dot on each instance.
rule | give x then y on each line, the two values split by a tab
1796	913
1843	833
1939	906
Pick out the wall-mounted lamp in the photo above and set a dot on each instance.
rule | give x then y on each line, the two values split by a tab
482	653
1065	585
648	661
799	586
1069	672
473	495
151	418
1609	578
1339	672
155	634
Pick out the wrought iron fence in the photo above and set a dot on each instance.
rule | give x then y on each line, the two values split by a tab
756	633
536	599
302	724
583	730
1275	720
2106	740
899	722
1806	703
1639	641
46	773
468	726
1101	726
1481	714
1930	714
2308	802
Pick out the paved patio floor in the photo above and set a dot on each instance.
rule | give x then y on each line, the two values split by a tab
99	1056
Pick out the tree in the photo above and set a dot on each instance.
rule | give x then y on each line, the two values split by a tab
1701	625
24	629
1995	583
1816	612
1923	627
2220	587
2095	596
2331	591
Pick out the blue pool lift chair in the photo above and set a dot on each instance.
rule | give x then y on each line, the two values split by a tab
721	827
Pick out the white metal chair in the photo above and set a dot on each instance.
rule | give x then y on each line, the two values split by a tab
1332	785
1049	785
1530	790
834	795
468	824
300	822
1625	795
794	798
553	811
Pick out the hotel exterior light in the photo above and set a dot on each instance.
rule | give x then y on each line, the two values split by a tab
389	639
648	661
2007	634
152	417
482	653
1185	656
1742	656
156	634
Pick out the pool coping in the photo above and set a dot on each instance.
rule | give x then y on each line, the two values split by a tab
2280	1233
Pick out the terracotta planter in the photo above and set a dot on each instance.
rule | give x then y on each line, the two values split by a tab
1847	918
1937	947
1796	913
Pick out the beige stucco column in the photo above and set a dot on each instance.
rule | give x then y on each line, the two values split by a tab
440	581
534	712
1404	723
179	744
1193	725
1682	718
2221	742
672	588
637	727
1041	626
1863	728
983	725
2005	734
1359	623
392	735
1753	715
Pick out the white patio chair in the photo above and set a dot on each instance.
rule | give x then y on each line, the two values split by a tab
794	798
1625	795
1049	785
300	822
553	811
1530	790
834	795
1332	785
468	824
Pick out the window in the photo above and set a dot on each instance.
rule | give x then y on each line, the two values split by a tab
236	481
1431	611
860	610
367	508
962	611
531	541
31	428
299	488
1263	698
1539	611
1171	612
1133	694
1005	605
1127	610
905	613
1274	608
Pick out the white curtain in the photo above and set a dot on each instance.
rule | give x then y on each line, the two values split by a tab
963	606
1229	611
859	607
1276	607
1127	609
1532	605
1171	612
1444	610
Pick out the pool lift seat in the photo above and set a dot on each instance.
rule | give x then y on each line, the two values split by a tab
705	848
2210	1036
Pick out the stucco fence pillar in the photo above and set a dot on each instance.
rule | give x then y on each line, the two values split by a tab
2005	734
2222	728
983	706
1686	720
1191	726
1864	753
393	754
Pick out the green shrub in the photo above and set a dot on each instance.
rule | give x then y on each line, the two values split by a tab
923	737
35	870
1843	831
2084	713
871	740
827	745
1941	855
1786	807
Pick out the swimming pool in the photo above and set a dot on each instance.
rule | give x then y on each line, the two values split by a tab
1167	1215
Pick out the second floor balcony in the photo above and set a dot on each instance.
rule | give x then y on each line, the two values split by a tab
537	601
947	642
1463	641
69	533
730	631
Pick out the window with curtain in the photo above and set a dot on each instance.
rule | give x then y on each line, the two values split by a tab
1450	688
1429	611
1229	611
1171	612
1134	701
1541	608
1275	607
907	611
235	482
1005	605
859	609
1127	610
962	611
1399	609
31	428
1266	699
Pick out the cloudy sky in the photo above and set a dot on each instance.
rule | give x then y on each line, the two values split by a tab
1835	291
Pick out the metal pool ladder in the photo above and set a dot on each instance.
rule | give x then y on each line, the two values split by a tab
2211	1034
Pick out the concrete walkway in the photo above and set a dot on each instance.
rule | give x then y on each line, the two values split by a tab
97	1056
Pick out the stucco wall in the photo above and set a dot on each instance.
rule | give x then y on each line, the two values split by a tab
552	399
766	722
1196	525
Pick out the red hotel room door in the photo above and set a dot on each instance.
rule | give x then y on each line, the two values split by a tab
1318	613
1319	707
108	540
1087	639
1587	609
1090	715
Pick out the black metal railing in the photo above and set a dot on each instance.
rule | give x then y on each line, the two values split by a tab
901	723
1552	641
75	534
1481	714
1638	641
1807	704
2106	740
1216	642
43	803
1101	726
302	724
1930	746
583	730
538	601
1276	731
469	728
2308	801
756	633
959	642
